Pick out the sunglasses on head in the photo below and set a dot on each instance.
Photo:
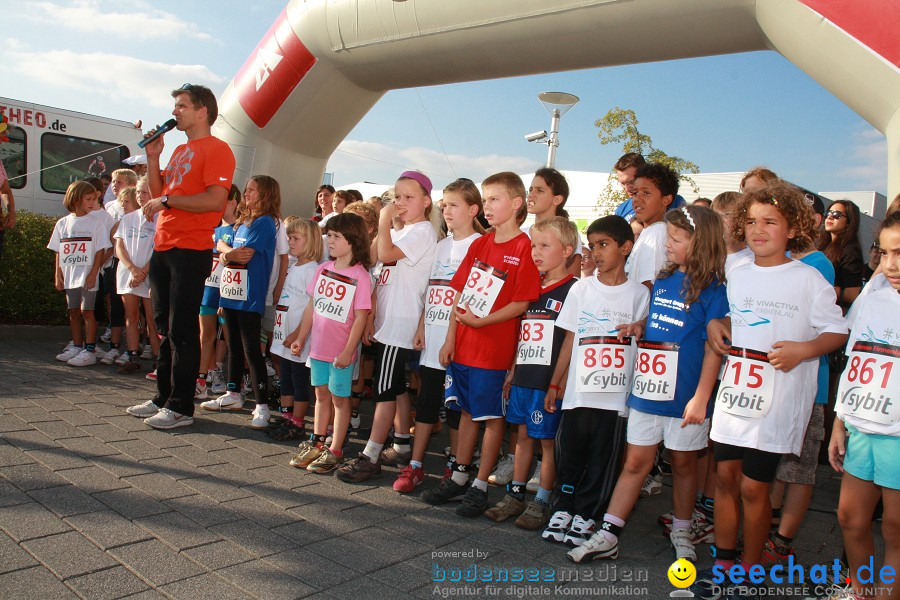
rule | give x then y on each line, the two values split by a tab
835	214
188	87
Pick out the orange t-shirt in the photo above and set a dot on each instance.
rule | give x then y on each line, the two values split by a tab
193	167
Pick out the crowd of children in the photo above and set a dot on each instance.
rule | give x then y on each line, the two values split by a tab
702	330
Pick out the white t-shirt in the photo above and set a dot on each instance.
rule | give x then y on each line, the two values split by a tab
877	283
281	248
438	308
326	218
593	309
578	247
77	240
115	210
290	307
136	233
400	289
871	381
109	222
789	302
736	259
648	255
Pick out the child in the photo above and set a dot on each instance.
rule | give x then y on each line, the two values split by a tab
460	206
547	197
655	188
406	257
725	204
783	316
134	245
305	241
552	243
868	459
494	285
672	384
592	430
341	199
340	298
79	240
245	279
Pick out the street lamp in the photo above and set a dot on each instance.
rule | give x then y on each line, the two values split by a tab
557	104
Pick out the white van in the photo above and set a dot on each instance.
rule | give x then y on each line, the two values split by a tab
49	148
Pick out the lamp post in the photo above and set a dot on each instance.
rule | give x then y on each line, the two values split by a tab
557	104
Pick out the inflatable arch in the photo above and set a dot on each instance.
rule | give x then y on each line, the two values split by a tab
278	119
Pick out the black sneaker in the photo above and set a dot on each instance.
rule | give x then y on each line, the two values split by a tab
447	491
473	504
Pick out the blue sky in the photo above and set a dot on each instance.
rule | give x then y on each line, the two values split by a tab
725	113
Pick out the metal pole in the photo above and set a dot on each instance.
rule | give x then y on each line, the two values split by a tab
553	142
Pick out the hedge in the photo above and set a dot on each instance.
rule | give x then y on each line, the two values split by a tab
27	294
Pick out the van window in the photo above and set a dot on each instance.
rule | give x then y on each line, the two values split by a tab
13	155
65	159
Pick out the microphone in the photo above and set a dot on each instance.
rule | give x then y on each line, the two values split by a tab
167	126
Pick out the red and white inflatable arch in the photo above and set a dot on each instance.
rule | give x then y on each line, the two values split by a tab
324	63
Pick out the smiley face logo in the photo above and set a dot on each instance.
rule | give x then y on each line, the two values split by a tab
682	573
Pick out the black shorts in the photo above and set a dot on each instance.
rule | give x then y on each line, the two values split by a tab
758	465
295	380
431	395
389	378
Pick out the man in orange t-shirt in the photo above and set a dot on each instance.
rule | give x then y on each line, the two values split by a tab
189	197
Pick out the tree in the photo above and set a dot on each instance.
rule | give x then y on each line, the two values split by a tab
621	126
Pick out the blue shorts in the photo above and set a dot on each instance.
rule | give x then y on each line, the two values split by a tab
478	392
450	402
526	407
339	380
873	457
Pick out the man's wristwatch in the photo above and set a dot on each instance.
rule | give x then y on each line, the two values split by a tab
165	201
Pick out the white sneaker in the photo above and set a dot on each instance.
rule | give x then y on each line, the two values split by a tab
69	353
107	335
355	422
261	417
270	368
598	546
652	486
246	385
227	401
148	352
535	482
168	419
503	472
216	383
123	358
84	358
200	390
580	531
557	527
143	410
151	376
681	540
110	357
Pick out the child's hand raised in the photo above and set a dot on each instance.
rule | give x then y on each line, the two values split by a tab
467	318
786	355
635	330
718	334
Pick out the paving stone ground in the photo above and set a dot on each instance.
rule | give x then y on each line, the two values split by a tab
94	504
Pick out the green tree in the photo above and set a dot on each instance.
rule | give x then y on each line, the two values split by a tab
620	126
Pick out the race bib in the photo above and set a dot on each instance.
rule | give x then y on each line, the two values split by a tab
868	388
333	298
482	289
748	384
439	302
603	364
76	252
387	270
235	283
655	371
280	333
215	274
535	341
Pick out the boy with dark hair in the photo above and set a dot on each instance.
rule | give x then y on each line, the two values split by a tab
494	285
625	168
592	432
655	188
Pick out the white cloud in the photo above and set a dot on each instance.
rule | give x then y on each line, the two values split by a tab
94	16
866	160
356	160
136	79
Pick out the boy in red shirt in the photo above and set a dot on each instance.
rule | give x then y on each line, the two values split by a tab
494	285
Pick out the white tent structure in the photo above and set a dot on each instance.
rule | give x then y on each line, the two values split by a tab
278	120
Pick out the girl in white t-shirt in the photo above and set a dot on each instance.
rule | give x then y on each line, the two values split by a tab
79	240
868	404
134	245
340	296
460	206
783	317
405	257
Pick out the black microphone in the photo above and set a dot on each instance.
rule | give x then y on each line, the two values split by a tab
167	126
